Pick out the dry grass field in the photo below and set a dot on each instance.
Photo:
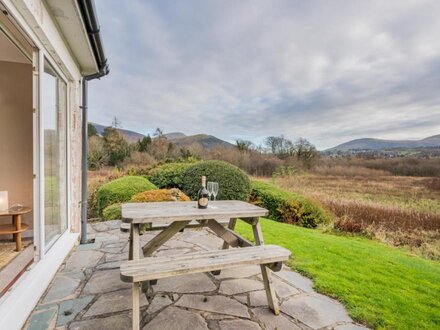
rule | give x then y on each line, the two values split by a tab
401	211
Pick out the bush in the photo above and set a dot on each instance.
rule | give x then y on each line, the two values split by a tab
233	182
168	175
160	195
112	212
288	207
121	190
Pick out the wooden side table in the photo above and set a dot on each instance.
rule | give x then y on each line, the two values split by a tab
16	228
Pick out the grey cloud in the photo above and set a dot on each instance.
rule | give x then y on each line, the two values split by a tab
328	71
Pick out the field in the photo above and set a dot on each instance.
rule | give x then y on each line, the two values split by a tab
398	210
381	286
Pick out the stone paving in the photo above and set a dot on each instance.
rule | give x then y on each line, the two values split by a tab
87	293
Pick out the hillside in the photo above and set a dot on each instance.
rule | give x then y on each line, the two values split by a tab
128	135
379	144
178	138
206	141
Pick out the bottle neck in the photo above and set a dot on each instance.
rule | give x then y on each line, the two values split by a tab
203	182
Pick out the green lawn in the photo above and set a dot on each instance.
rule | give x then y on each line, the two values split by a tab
381	286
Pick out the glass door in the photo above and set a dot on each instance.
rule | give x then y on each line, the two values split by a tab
54	118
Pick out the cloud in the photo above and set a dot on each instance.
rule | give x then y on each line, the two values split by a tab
327	71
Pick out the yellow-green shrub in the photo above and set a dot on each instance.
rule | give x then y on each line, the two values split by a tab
288	207
112	212
121	190
160	195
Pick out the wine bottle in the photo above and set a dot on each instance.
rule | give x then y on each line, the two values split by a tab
203	195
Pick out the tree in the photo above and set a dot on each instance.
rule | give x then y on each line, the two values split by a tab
91	130
117	148
143	145
97	155
305	152
243	145
116	123
279	146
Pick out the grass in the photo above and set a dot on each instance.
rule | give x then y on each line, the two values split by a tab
400	211
409	193
381	286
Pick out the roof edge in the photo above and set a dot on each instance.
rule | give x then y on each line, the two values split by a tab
88	13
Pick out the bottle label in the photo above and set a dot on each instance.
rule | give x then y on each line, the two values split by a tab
203	201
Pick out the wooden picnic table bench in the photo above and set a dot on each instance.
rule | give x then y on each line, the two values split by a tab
172	217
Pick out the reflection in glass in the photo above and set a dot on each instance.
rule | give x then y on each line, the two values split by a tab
54	114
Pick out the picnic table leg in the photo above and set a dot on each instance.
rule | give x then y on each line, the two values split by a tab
231	225
136	287
265	271
136	306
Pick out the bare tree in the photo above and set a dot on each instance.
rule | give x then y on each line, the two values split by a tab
116	123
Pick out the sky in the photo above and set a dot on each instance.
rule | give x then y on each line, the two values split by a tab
328	71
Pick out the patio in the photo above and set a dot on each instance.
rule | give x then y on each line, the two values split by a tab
87	292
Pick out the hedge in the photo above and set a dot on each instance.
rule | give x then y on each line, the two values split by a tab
288	207
233	183
112	212
121	190
168	175
160	195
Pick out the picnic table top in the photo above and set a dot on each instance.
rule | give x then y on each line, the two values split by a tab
186	211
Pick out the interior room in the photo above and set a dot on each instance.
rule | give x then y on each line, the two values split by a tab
16	157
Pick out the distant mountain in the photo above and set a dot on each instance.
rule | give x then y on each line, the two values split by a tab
206	141
178	138
379	144
128	135
174	135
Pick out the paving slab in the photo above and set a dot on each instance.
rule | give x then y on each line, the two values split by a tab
42	320
283	289
63	287
100	226
83	259
193	283
316	311
103	281
238	324
272	321
215	304
69	309
159	301
239	272
235	286
257	298
113	302
177	319
296	279
115	322
110	265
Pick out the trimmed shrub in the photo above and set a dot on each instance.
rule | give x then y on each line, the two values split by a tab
168	175
233	183
112	212
121	190
288	207
160	195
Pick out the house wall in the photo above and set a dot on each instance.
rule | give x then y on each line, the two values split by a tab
38	22
16	175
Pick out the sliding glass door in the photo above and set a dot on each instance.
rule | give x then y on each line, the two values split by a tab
54	122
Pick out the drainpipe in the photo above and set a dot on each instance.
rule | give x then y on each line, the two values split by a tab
88	13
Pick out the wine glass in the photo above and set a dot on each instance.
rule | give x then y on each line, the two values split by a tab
215	189
209	188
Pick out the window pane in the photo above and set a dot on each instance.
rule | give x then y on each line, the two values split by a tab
54	114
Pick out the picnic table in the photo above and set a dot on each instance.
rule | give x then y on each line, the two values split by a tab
173	217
